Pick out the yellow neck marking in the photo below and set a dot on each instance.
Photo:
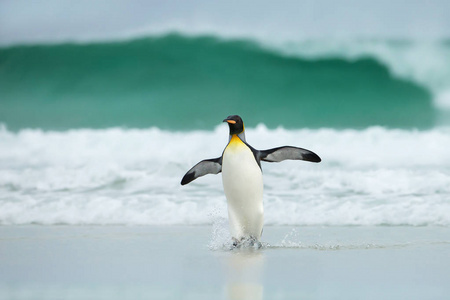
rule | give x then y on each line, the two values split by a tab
235	142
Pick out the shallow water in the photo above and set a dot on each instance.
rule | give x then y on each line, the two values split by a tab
169	262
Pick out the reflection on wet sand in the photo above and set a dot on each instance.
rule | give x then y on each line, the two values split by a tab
244	272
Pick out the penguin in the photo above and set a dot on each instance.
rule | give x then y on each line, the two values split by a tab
242	179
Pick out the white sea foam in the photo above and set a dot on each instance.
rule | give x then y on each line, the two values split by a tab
443	99
128	176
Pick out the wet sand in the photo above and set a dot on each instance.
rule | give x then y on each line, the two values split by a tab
189	262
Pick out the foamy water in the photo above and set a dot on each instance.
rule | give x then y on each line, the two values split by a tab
128	176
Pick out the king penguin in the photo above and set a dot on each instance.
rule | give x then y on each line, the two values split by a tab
242	180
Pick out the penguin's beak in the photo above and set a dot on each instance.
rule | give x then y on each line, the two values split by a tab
230	121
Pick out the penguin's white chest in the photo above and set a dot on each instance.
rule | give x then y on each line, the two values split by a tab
243	186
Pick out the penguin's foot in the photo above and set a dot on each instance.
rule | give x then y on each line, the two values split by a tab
246	242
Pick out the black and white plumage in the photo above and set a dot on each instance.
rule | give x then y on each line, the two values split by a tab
240	165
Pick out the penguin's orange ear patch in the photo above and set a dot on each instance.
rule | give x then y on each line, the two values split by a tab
231	121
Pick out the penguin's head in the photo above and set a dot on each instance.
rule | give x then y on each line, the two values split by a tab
235	123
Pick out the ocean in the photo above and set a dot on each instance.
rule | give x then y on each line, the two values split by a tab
181	82
96	135
102	132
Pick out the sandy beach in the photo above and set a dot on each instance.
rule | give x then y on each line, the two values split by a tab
189	262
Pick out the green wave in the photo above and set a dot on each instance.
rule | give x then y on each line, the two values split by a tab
178	82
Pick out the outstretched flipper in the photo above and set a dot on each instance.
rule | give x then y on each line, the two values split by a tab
207	166
288	152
